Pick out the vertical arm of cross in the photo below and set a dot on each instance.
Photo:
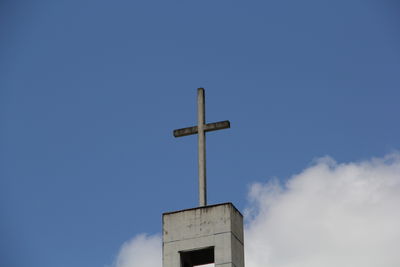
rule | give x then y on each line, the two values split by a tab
202	147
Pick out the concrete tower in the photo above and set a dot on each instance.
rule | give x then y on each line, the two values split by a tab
207	234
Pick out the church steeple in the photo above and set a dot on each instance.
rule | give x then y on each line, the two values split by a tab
207	234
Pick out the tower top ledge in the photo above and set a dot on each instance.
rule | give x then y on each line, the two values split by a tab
204	208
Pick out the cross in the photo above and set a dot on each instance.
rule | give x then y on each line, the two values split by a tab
201	129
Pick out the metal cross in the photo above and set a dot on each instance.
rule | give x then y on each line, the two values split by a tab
201	129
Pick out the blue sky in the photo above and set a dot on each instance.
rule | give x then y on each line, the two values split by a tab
91	91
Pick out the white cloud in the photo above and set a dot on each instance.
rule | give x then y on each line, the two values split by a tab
330	214
141	251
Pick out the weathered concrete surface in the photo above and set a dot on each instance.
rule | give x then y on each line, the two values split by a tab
218	226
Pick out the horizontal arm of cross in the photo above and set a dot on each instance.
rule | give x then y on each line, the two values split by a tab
207	128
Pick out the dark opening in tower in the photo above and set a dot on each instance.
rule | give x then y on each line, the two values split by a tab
197	257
